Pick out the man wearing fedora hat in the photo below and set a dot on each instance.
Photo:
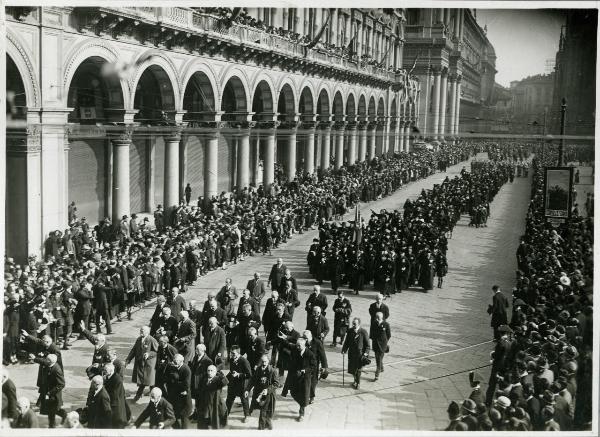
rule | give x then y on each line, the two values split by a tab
498	311
469	414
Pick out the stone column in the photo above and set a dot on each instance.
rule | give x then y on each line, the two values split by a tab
211	165
333	27
243	159
339	144
371	138
171	182
443	98
269	159
400	134
290	158
386	136
457	110
325	135
407	137
351	129
435	107
309	147
348	33
53	167
120	174
397	137
452	105
362	140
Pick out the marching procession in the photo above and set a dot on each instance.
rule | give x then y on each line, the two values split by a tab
192	360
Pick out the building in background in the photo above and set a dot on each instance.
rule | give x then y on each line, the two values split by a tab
532	99
118	108
455	63
575	77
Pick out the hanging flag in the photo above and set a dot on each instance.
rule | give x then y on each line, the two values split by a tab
229	21
357	226
385	56
351	47
320	32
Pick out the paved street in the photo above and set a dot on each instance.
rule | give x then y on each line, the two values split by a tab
437	336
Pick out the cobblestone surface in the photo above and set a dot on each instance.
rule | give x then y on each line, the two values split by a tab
437	336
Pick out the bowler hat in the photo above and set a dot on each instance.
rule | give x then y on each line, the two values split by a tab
453	410
470	406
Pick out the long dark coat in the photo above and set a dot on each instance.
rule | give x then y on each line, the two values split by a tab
99	410
118	405
300	382
357	345
144	372
210	403
179	381
52	385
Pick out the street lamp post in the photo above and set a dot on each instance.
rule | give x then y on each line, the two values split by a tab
563	117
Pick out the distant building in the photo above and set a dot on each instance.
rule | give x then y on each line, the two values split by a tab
455	63
575	77
530	98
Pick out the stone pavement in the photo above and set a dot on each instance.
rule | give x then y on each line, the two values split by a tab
437	336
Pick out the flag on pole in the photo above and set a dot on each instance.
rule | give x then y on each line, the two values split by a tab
357	226
320	32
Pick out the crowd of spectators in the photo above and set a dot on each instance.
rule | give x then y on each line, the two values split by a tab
541	367
96	274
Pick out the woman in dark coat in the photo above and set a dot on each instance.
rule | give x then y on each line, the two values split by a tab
358	273
210	405
356	345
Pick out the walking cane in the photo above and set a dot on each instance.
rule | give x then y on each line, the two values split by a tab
343	371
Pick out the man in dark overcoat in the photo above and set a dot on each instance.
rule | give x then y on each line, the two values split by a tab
159	410
301	364
263	384
179	391
210	406
356	345
498	311
240	373
380	335
342	309
113	384
99	412
143	353
52	385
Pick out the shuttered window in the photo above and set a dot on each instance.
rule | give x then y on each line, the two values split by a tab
87	178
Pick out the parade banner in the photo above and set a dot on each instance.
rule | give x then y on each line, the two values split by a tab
558	185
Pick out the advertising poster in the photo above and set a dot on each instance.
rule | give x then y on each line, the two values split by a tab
557	193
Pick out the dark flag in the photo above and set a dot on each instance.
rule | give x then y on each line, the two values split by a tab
320	32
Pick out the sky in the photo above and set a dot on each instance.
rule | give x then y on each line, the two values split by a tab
523	40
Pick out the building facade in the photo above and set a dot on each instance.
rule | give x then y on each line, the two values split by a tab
117	109
532	103
575	73
455	64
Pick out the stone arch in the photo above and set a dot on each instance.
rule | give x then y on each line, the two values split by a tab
393	108
199	96
15	49
362	105
323	103
286	102
288	83
338	106
154	94
372	110
235	95
351	105
263	98
95	89
380	107
154	58
113	69
306	103
199	66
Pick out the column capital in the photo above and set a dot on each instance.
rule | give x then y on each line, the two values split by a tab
122	134
458	78
173	134
436	71
452	78
268	124
362	124
241	125
289	125
339	125
444	72
325	125
308	125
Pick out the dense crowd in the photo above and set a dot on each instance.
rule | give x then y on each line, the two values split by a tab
397	249
541	367
90	276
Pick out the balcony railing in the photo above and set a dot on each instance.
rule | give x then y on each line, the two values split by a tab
190	19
